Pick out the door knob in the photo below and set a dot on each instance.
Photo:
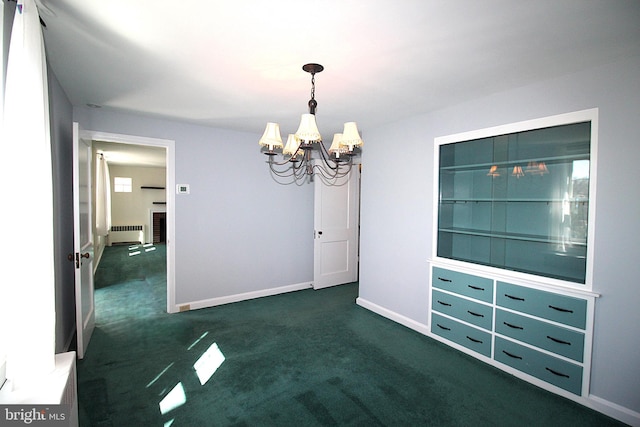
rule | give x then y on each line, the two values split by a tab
78	257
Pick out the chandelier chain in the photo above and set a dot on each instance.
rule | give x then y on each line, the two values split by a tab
313	86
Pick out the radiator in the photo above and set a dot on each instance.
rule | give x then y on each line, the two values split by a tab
70	393
126	234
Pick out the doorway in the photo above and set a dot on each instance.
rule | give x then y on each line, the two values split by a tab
135	145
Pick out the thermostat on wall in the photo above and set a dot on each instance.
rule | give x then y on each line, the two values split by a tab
182	188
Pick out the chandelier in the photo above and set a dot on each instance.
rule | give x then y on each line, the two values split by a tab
298	161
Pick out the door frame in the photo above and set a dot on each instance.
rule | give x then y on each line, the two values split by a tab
170	180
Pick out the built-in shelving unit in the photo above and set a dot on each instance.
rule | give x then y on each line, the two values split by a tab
510	280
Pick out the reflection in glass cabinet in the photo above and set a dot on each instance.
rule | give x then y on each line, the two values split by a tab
518	201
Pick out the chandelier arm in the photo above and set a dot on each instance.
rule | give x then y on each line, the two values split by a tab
343	171
326	158
338	172
288	172
283	163
287	178
332	180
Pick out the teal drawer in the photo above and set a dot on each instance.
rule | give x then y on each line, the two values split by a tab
468	285
467	336
550	337
548	305
463	309
560	373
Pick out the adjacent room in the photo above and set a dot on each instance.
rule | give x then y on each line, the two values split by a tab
448	238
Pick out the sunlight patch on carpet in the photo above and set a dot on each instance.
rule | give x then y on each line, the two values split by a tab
198	340
174	399
135	249
208	363
160	374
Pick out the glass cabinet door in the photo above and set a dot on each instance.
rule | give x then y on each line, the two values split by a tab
518	201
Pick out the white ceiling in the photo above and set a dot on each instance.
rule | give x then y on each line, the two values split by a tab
237	64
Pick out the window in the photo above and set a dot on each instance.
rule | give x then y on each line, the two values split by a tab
121	184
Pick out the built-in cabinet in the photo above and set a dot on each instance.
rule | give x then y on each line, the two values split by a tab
510	280
544	335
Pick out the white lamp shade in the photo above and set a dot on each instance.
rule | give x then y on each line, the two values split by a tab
292	145
271	136
336	145
350	136
308	129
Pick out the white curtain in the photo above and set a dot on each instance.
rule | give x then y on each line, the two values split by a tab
103	197
27	270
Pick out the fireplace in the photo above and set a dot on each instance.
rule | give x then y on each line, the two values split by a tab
159	227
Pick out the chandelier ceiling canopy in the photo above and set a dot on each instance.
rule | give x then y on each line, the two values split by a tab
299	162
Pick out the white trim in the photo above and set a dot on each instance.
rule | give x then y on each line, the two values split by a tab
614	410
169	144
392	315
212	302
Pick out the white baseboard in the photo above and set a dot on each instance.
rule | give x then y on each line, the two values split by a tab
392	315
212	302
614	410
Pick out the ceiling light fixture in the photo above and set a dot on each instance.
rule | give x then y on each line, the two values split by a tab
298	161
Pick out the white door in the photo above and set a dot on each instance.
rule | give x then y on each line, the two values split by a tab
83	240
336	223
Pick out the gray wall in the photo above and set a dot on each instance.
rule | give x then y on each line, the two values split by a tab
238	231
397	208
60	113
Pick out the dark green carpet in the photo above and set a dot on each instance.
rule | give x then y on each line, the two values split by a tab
307	358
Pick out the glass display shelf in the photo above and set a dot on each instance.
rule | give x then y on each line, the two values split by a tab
518	201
